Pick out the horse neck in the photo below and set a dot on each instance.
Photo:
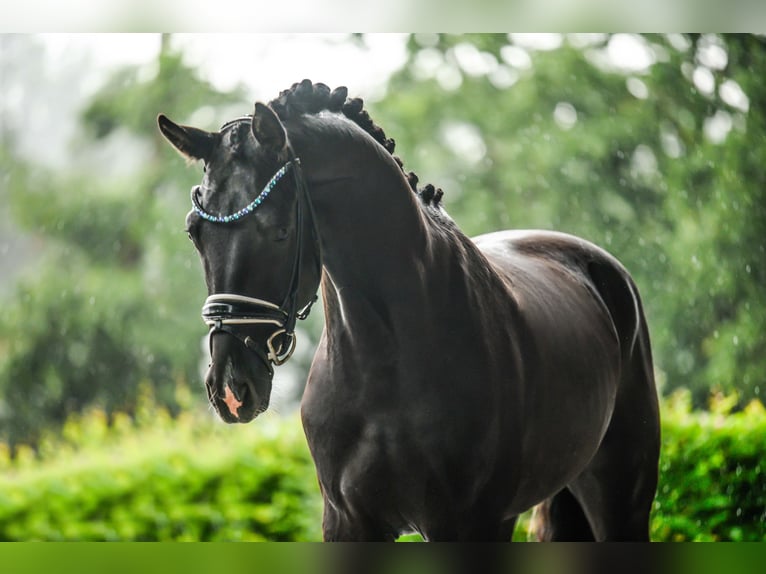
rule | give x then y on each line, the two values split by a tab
370	225
374	236
390	270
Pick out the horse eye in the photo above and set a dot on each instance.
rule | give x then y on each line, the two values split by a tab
190	235
282	234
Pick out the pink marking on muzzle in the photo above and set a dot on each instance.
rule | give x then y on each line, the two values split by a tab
231	401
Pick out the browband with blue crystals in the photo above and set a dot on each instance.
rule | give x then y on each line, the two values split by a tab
250	207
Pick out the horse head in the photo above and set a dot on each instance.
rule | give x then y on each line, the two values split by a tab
252	225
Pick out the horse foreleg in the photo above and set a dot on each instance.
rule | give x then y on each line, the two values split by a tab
347	526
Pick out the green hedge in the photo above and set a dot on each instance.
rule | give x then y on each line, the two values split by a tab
712	473
194	478
189	478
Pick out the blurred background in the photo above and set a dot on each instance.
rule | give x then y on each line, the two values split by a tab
652	146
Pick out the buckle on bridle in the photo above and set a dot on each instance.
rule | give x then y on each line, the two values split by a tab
280	356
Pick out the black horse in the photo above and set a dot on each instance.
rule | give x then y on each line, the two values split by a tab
458	382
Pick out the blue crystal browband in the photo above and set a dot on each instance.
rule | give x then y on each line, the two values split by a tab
250	207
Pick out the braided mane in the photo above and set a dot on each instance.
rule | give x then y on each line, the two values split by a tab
307	98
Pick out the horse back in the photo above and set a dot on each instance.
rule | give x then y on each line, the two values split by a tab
544	269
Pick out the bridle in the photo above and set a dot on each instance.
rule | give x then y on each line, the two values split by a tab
224	312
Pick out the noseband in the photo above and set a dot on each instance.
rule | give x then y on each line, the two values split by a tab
224	312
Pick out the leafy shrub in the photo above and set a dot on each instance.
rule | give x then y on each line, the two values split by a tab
193	478
190	478
712	473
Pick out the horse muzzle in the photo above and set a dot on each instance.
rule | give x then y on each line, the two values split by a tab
238	395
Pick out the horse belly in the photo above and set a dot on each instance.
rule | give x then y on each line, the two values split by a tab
568	400
568	354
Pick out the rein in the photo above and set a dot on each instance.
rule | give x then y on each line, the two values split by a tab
224	312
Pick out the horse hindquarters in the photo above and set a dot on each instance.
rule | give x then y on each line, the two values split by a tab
616	490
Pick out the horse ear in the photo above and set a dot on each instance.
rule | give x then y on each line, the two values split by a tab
268	129
191	142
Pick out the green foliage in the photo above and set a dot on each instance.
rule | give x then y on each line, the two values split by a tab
133	97
115	299
162	479
69	352
192	478
712	473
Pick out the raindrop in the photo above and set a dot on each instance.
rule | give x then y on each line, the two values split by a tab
427	62
565	115
671	144
703	80
732	94
637	88
449	78
711	53
586	40
643	161
717	127
629	52
679	42
516	57
472	61
537	41
503	77
465	141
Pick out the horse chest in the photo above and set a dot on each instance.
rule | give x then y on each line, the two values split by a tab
396	460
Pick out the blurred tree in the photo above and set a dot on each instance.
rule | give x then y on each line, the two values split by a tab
116	304
717	249
662	164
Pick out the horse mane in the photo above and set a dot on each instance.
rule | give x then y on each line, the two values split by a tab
308	98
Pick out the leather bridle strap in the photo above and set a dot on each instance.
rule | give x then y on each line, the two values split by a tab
225	311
